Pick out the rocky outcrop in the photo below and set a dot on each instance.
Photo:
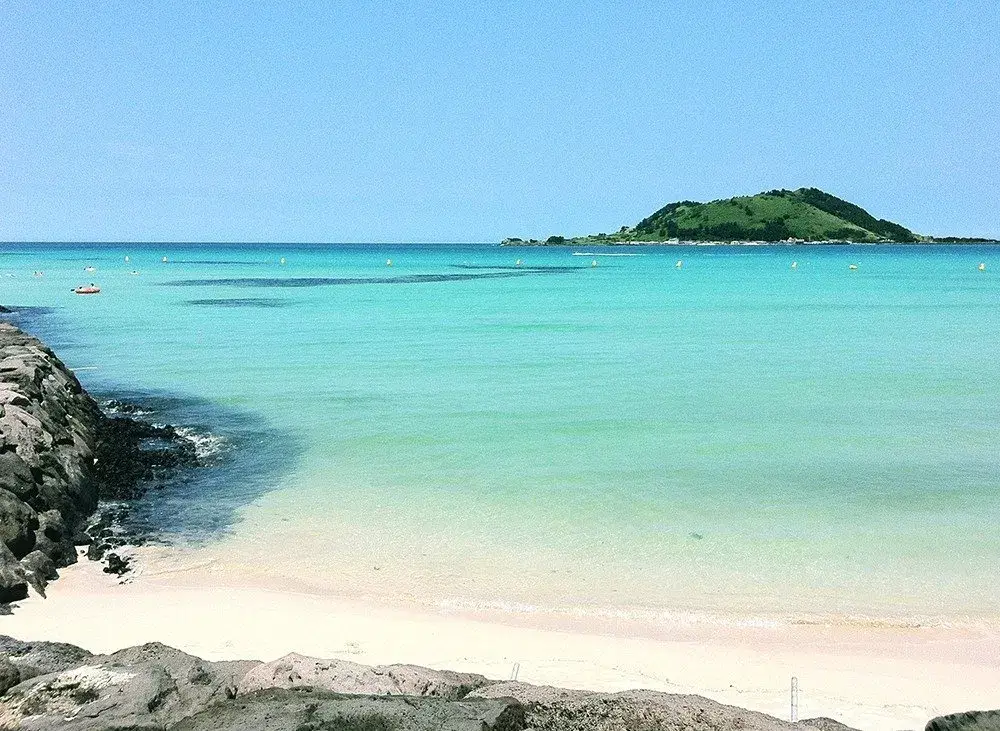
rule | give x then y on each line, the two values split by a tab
49	429
343	676
558	709
155	687
968	721
59	454
318	710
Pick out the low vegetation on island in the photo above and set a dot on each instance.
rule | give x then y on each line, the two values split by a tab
806	215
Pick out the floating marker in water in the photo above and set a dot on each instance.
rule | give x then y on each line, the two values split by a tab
593	263
127	259
679	264
852	267
388	262
282	261
982	266
164	260
795	265
517	263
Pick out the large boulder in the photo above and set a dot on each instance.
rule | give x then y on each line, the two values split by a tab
148	687
54	540
39	570
343	676
15	475
39	658
968	721
13	580
9	674
558	709
303	709
18	522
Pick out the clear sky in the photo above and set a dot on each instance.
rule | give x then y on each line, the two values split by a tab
384	121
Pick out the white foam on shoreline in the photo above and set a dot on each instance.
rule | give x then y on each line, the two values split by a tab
206	444
654	616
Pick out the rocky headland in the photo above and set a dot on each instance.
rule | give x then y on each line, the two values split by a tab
60	455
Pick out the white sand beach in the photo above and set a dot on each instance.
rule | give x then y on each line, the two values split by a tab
873	678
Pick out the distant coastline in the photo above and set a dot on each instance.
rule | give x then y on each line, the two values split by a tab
792	217
578	241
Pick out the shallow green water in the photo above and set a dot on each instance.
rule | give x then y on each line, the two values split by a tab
733	435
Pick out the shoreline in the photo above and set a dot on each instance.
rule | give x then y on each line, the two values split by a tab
873	678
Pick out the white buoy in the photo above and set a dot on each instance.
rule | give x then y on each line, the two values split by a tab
164	260
982	266
517	263
679	264
593	263
388	262
795	265
282	262
127	259
852	267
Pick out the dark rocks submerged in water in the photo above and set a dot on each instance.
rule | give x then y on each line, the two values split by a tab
60	455
47	685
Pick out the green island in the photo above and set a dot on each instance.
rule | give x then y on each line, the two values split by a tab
803	216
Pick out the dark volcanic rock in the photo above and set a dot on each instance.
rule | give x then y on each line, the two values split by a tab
59	454
132	452
968	721
117	565
48	428
53	539
40	570
13	579
14	473
18	522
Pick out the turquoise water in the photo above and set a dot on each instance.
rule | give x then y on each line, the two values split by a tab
730	436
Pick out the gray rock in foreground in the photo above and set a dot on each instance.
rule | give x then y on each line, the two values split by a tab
559	709
343	676
153	687
303	709
969	721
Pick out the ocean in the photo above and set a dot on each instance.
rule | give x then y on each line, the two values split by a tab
731	439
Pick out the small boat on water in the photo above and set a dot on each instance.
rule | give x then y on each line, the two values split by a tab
90	289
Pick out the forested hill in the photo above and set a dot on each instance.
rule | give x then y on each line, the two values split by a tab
806	214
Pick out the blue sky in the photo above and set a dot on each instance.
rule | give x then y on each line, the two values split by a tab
382	121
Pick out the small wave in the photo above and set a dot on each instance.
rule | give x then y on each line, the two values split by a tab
587	253
206	445
673	617
114	407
